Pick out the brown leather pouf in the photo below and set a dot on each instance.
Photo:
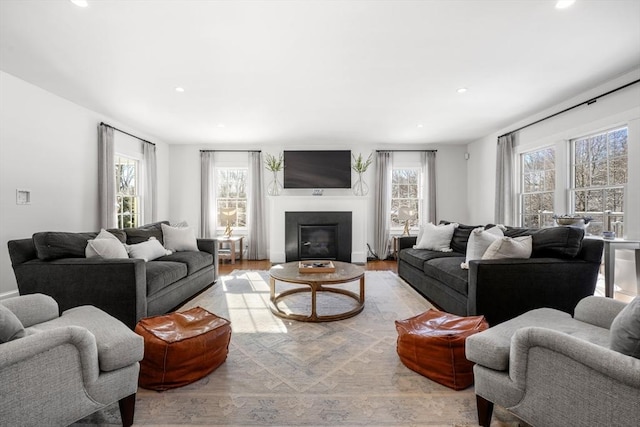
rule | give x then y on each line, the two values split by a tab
432	344
180	348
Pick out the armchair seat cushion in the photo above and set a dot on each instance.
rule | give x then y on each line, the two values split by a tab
491	348
194	261
118	346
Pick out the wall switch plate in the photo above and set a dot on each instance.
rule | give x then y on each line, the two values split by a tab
317	192
23	197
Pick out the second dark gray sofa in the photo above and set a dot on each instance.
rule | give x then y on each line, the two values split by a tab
562	270
54	263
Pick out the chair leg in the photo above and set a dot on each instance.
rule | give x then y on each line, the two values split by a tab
127	409
485	410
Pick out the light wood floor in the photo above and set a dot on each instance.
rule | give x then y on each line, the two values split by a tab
226	266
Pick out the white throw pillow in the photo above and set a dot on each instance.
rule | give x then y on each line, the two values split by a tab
179	238
105	245
436	237
148	251
479	240
106	248
506	247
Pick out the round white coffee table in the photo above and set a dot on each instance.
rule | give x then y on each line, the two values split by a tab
315	283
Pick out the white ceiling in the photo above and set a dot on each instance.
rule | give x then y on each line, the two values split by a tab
318	72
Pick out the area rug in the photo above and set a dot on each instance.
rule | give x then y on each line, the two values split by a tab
288	373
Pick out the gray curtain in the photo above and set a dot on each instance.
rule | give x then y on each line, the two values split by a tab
208	208
505	207
256	222
428	208
106	178
383	204
150	195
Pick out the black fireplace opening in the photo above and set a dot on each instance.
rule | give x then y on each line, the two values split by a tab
318	235
318	241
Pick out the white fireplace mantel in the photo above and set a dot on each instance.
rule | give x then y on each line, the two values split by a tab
278	205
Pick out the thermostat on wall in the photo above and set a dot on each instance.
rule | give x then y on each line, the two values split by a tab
23	197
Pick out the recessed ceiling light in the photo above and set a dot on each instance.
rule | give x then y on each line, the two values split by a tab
220	125
563	4
179	89
80	3
420	126
462	90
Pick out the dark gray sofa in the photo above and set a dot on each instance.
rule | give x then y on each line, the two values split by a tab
54	263
562	270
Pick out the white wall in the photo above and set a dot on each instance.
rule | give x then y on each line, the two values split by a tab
49	145
450	175
622	107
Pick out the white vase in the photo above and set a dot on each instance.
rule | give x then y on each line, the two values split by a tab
360	188
274	188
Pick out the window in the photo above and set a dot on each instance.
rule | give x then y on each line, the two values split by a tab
598	178
127	191
232	193
405	191
537	187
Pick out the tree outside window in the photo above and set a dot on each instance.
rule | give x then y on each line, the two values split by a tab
405	192
538	184
127	194
232	193
599	175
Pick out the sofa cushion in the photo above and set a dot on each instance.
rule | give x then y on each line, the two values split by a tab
436	237
447	270
148	251
417	257
179	239
509	247
479	240
55	244
161	274
553	242
461	236
143	233
625	330
11	327
193	260
490	348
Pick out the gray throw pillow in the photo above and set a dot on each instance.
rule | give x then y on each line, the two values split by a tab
625	330
10	326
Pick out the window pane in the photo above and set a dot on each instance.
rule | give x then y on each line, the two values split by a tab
538	185
231	188
600	167
405	192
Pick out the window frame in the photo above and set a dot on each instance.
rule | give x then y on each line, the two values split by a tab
520	199
607	215
137	197
419	197
219	227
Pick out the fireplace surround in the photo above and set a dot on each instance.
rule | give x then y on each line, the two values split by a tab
318	235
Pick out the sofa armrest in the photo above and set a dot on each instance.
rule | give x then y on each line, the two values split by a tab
598	311
116	286
211	246
505	288
32	309
23	351
406	242
622	369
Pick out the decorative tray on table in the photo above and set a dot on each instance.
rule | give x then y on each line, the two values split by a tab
315	266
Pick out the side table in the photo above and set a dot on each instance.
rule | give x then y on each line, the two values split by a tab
610	247
235	247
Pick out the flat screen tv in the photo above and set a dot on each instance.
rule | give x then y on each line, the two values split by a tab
317	169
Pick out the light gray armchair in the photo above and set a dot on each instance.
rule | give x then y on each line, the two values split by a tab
59	369
550	369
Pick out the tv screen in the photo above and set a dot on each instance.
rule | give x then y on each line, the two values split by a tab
317	169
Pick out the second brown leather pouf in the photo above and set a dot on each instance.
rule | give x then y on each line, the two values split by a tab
432	344
180	348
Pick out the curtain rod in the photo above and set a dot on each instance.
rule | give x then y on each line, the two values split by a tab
588	102
409	151
231	151
127	133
